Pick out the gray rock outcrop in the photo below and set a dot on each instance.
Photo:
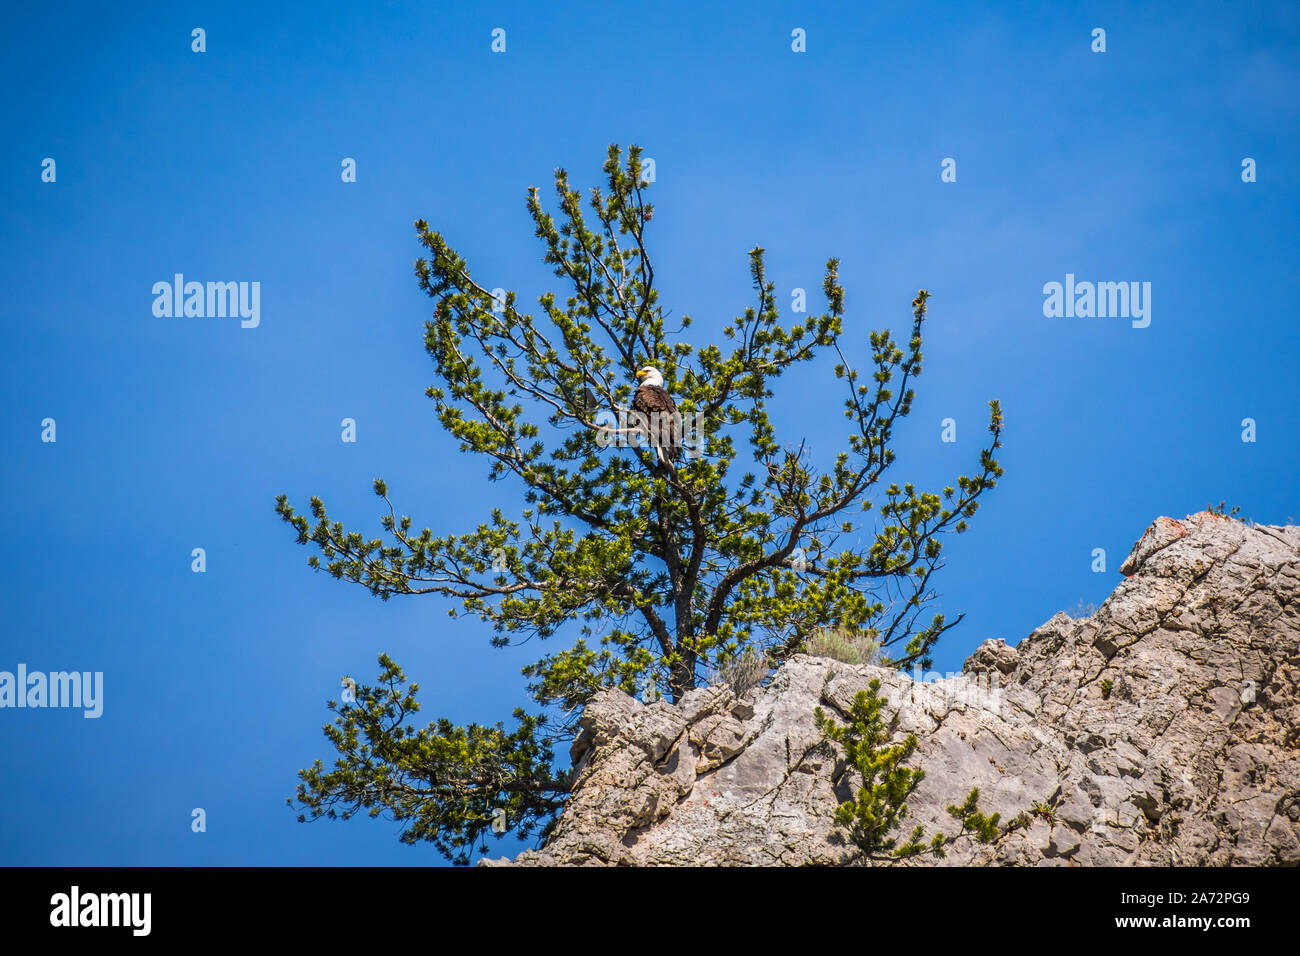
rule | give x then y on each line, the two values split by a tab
1164	729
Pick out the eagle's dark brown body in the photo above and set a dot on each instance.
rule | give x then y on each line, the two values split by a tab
660	411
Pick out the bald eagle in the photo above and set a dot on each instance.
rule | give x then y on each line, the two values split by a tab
652	400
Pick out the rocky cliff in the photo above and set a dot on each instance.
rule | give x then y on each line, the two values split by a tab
1164	729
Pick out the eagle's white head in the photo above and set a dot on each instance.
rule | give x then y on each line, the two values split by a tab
650	376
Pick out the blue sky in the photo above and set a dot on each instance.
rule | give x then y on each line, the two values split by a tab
225	165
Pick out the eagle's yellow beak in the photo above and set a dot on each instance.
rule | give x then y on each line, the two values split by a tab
642	373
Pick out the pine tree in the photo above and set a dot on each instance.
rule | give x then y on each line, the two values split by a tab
659	573
879	805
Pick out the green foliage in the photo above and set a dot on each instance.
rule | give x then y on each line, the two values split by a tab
657	574
1106	687
880	804
1221	509
1044	810
881	801
443	783
981	827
